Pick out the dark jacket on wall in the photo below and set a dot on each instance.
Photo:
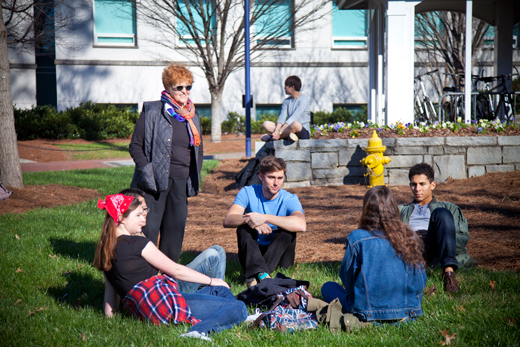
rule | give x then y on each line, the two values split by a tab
152	175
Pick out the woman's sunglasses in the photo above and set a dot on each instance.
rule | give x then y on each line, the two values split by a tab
180	88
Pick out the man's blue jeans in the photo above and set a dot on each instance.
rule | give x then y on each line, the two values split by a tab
211	262
216	307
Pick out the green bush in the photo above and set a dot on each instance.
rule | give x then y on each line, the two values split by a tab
44	122
205	125
234	123
88	121
340	115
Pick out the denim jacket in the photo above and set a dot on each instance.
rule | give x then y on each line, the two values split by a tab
379	285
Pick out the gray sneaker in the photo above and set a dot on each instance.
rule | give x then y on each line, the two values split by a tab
293	137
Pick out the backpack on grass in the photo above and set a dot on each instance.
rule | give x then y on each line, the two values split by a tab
4	193
288	312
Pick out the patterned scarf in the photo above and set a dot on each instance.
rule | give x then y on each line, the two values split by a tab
182	114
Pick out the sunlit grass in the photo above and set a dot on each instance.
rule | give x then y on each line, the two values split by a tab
97	150
51	295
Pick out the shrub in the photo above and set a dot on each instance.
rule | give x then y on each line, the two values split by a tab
234	123
340	115
205	125
88	121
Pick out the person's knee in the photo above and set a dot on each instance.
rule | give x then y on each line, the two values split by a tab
441	212
296	126
219	250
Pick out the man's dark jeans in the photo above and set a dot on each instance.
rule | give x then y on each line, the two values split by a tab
255	258
440	240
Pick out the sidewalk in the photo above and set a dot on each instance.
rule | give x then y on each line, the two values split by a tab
28	166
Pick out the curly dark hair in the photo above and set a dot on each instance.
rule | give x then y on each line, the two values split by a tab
422	169
380	212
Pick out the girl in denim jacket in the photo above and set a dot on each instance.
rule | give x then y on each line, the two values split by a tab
383	269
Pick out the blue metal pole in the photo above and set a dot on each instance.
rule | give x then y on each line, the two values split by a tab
248	80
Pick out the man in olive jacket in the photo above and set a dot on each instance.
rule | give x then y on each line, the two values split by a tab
440	225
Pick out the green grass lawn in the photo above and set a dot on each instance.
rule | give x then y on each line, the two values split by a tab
50	295
97	150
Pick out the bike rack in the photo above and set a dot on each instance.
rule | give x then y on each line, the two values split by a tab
473	101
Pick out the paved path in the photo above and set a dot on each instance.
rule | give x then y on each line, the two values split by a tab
28	166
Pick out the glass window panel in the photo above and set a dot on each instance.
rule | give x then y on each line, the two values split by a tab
274	19
204	110
270	108
114	17
348	22
197	18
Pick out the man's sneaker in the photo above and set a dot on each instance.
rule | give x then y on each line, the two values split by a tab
251	281
196	335
293	137
450	283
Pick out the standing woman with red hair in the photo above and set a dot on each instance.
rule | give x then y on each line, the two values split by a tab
383	269
167	150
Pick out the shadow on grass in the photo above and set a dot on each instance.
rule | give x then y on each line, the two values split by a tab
75	250
81	291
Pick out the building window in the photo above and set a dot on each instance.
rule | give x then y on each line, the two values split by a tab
114	23
264	110
349	28
273	24
204	110
202	17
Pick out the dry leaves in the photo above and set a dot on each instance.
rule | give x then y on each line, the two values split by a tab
82	335
17	302
511	322
38	310
19	270
448	338
52	256
430	291
245	337
492	284
460	308
17	237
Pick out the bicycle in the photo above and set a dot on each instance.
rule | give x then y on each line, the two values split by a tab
487	108
454	107
424	110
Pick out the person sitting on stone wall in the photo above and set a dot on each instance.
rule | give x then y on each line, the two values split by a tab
295	115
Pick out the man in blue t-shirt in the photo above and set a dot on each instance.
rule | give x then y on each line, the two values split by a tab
267	219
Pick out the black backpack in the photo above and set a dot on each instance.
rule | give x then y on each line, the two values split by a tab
249	174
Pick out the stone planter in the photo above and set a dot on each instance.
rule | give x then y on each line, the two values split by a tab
336	162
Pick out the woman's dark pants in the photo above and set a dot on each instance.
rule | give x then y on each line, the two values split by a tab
168	211
255	258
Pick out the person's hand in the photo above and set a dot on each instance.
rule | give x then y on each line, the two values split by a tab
264	229
217	282
255	219
276	135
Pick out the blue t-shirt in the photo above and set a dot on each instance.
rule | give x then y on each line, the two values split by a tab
252	200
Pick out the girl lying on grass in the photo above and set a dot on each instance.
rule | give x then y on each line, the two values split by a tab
131	265
383	269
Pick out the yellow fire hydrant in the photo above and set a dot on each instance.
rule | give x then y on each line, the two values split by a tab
375	161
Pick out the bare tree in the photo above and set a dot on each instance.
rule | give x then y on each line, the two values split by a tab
440	44
26	25
210	33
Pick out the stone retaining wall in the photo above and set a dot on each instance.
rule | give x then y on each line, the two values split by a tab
336	162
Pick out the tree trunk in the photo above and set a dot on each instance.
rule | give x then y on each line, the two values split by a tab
10	170
216	112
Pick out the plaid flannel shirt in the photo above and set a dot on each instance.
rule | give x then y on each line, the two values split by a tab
158	300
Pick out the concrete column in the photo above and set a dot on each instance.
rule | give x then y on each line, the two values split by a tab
375	49
503	39
400	61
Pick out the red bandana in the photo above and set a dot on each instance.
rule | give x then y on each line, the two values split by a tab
115	205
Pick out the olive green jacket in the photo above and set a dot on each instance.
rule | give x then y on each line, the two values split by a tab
461	227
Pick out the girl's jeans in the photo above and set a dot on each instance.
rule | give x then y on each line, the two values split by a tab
217	308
